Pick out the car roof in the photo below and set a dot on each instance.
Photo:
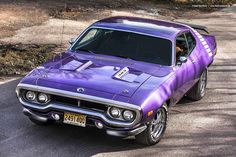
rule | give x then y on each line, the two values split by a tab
159	28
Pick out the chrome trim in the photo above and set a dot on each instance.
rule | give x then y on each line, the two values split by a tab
121	116
53	105
34	116
49	98
80	96
117	29
36	99
126	133
129	31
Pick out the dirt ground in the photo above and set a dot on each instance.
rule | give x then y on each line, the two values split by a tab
14	17
17	14
28	22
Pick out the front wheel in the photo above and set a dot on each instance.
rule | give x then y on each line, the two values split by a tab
155	129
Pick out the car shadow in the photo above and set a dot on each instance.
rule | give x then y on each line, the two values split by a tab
201	127
16	129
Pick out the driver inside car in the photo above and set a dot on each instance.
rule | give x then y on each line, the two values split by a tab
179	51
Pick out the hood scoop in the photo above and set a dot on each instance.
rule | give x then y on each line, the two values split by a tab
121	73
125	75
84	66
94	75
76	65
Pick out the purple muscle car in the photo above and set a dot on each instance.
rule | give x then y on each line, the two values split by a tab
121	75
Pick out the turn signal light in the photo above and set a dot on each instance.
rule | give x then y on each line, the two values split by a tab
150	113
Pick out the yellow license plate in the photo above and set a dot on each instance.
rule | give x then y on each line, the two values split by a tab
74	119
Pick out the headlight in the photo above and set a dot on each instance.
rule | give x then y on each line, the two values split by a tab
43	98
128	115
30	95
115	112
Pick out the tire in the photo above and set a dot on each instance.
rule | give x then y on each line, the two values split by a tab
155	129
37	122
199	89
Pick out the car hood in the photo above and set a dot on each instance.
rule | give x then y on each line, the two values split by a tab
96	73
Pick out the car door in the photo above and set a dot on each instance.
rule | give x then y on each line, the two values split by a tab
185	72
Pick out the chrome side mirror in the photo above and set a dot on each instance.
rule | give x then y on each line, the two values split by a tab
72	40
182	59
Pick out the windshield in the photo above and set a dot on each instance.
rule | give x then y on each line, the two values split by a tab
126	45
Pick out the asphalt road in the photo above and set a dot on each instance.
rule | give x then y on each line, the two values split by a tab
202	128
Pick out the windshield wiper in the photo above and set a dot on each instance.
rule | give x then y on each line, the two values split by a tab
126	57
85	50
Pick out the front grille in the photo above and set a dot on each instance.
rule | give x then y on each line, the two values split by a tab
83	104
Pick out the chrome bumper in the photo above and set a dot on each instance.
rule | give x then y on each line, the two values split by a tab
91	113
109	131
34	116
126	133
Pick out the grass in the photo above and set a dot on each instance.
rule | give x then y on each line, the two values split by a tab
20	59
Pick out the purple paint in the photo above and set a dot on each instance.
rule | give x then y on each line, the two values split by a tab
144	85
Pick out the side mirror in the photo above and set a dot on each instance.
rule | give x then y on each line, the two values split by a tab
182	59
72	40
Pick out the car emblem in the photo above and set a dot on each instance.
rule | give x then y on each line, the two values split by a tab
126	91
80	90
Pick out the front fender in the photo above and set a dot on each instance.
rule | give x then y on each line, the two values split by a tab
155	101
152	95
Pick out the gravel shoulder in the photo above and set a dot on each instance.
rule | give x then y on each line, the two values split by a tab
55	22
59	31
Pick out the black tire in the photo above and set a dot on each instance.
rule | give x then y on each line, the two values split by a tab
37	122
147	136
198	91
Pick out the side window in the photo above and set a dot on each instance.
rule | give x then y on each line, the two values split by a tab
191	41
181	46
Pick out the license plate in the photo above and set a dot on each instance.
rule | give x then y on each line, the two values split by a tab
74	119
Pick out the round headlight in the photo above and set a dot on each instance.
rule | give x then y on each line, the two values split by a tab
30	95
115	112
128	115
43	98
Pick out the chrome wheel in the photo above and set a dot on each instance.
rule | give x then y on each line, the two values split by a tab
203	81
155	128
158	124
198	91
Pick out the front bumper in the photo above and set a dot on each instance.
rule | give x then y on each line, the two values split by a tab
120	132
55	106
